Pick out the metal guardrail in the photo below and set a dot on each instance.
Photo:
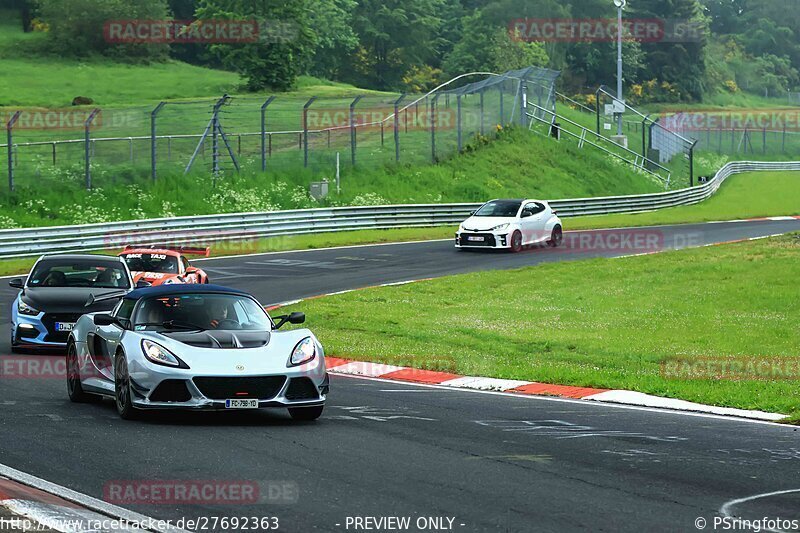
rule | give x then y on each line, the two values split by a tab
210	229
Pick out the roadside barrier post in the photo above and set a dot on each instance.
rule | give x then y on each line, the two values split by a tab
87	147
305	130
10	140
397	127
458	122
353	105
154	140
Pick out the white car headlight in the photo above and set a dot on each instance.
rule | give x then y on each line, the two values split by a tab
25	309
305	351
158	354
501	227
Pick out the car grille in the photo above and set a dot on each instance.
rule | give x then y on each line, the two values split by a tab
262	387
301	389
171	390
488	239
49	321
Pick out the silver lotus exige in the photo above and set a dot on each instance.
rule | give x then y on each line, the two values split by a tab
195	347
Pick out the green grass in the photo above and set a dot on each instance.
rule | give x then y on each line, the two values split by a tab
752	195
517	164
607	323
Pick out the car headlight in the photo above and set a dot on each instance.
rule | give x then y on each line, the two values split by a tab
25	309
158	354
305	351
501	227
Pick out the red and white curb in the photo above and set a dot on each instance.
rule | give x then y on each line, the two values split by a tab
41	504
445	379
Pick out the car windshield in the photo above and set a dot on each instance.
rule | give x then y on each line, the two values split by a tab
201	312
79	273
153	262
499	208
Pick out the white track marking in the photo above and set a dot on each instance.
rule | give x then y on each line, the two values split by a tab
87	502
727	509
647	400
489	384
531	397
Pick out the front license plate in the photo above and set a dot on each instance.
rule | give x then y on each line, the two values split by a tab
241	404
64	326
473	238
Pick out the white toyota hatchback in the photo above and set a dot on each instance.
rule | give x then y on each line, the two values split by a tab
510	225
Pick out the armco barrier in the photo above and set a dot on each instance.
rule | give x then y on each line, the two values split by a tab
211	229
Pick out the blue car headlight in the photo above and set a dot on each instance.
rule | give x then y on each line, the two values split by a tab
305	351
25	309
159	355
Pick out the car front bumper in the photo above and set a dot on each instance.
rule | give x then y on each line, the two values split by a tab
483	240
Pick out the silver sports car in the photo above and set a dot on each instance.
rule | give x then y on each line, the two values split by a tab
195	347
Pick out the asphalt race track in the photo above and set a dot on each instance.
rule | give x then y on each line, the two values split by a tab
490	462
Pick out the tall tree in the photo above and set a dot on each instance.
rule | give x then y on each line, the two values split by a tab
336	40
283	48
395	35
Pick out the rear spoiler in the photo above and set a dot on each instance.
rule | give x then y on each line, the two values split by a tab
103	297
186	250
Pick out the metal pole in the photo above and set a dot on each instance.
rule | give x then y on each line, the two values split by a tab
154	140
353	128
597	107
305	130
644	136
691	164
264	133
458	121
397	127
482	109
502	123
10	140
619	66
87	150
433	127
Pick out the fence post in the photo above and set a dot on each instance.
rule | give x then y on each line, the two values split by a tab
458	122
502	121
764	141
597	107
691	164
353	128
87	149
644	136
154	139
264	133
483	130
397	127
10	140
783	139
305	130
433	126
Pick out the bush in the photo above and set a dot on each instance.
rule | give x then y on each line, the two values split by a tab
76	27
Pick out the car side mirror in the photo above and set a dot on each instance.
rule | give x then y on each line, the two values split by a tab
17	283
106	320
191	270
142	284
525	214
293	318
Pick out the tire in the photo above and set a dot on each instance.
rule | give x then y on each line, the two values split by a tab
556	238
516	242
74	388
306	413
122	389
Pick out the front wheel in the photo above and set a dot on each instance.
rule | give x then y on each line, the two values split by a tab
516	242
556	238
122	389
306	413
74	387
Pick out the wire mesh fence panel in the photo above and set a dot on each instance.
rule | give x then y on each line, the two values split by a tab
89	147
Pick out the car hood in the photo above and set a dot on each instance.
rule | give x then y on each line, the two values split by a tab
154	278
220	339
485	223
67	299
